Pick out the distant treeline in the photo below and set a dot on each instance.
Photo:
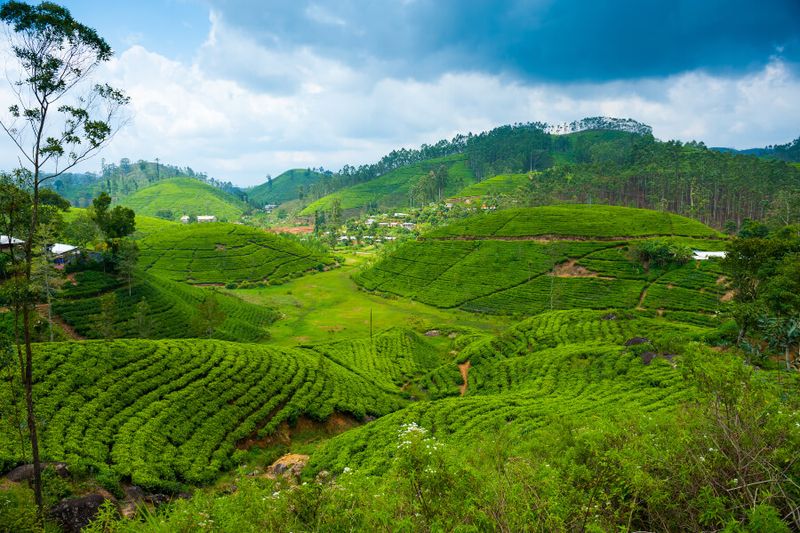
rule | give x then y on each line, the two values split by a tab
119	180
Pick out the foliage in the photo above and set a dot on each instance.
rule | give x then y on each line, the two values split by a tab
662	252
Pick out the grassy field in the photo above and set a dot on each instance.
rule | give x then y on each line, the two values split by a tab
218	253
328	306
392	189
184	196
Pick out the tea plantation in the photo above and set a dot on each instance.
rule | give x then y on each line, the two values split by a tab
219	253
172	309
162	413
532	260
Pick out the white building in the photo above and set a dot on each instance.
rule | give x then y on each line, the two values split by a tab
185	219
206	218
7	241
698	255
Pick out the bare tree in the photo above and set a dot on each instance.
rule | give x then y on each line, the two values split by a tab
60	119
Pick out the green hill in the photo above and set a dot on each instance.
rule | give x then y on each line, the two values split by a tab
172	309
163	413
184	196
559	257
392	190
219	253
283	188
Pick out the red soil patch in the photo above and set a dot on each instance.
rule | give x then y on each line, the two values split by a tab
335	424
464	369
294	230
569	269
728	296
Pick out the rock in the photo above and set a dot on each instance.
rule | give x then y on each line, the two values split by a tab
25	472
157	499
289	465
647	357
133	493
636	340
432	333
452	335
73	514
609	316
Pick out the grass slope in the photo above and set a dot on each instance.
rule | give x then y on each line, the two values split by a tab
173	309
498	263
224	253
161	413
283	188
392	189
184	196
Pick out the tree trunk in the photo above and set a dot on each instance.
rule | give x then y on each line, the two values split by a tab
28	385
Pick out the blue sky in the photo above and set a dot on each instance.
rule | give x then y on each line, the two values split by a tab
244	88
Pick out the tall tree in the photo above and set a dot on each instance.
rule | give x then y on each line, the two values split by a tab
58	120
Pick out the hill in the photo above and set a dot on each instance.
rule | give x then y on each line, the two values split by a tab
175	197
164	413
220	253
173	310
500	184
560	257
789	152
393	189
291	185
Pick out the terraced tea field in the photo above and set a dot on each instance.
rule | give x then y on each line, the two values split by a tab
172	309
225	253
163	413
551	367
532	260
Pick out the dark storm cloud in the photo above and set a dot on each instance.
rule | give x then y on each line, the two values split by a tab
558	40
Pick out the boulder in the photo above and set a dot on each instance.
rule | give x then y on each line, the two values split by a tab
636	340
73	514
289	465
25	472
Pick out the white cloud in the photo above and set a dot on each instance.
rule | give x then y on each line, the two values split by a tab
239	110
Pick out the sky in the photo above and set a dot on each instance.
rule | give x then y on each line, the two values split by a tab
244	88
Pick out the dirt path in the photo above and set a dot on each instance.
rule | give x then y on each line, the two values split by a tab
58	321
549	238
464	369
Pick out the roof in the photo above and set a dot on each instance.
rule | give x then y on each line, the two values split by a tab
5	239
702	256
60	248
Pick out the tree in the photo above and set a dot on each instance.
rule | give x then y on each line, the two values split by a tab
125	261
142	319
115	224
57	57
209	316
46	278
103	321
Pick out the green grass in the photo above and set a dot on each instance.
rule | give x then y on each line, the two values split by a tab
219	253
392	189
163	413
283	188
173	309
500	184
328	306
184	196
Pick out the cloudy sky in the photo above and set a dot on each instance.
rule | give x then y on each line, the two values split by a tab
244	88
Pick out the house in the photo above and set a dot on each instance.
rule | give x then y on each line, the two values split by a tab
7	242
63	254
400	215
409	225
697	255
185	219
206	218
